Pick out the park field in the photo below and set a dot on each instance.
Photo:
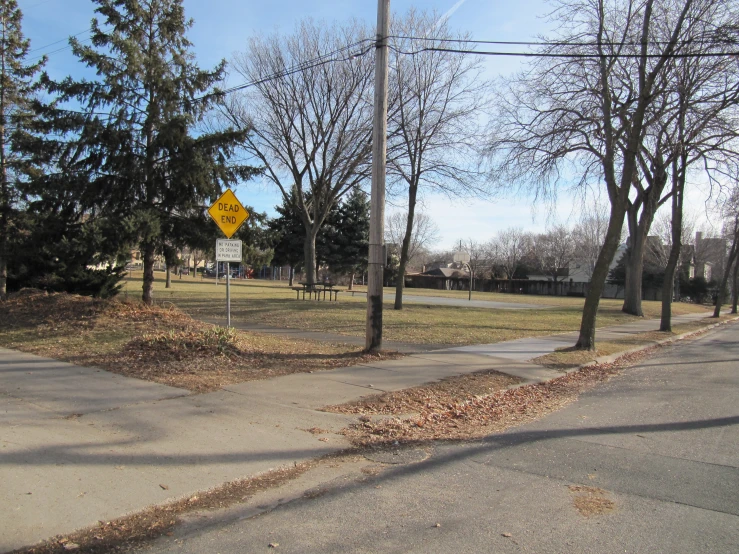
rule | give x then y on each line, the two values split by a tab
273	304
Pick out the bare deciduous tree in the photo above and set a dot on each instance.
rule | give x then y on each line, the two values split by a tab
433	129
423	235
511	245
588	236
687	123
730	211
555	250
480	259
657	251
310	123
574	111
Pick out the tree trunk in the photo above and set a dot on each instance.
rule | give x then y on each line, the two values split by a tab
671	270
727	272
147	251
309	251
630	261
412	192
3	270
668	288
639	230
168	283
586	340
4	223
734	292
351	280
4	186
634	269
291	275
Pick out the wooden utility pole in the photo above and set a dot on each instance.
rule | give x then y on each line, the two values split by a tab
377	212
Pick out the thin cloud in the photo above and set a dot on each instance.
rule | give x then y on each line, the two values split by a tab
448	14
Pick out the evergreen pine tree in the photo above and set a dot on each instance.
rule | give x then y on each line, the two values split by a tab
17	92
347	238
134	150
287	234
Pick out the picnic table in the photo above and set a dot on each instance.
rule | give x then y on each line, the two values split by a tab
316	289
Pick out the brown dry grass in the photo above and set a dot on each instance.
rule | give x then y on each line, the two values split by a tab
159	344
273	304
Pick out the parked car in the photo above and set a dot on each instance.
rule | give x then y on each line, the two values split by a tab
211	272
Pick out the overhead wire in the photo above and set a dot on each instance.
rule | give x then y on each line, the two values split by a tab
575	55
68	47
560	43
330	57
89	29
571	55
323	59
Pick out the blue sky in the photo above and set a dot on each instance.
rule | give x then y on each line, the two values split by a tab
221	28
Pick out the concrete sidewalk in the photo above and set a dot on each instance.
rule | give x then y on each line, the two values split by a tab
79	445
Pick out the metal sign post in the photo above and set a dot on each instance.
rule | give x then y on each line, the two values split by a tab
229	214
228	251
228	294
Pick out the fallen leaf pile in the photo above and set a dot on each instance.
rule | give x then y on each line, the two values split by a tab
178	345
433	397
477	416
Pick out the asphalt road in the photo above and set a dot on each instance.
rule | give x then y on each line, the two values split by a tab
658	446
463	302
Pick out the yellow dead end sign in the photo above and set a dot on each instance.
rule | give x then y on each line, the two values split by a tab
228	213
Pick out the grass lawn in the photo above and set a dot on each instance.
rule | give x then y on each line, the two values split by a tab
272	303
159	344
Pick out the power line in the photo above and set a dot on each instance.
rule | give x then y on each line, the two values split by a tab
565	43
561	55
58	41
58	50
321	60
329	57
303	66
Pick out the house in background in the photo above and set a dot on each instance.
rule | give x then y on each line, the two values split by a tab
709	256
440	278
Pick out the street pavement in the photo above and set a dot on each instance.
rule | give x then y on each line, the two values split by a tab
78	445
464	302
656	448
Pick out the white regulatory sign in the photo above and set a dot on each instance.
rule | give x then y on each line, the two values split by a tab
228	250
